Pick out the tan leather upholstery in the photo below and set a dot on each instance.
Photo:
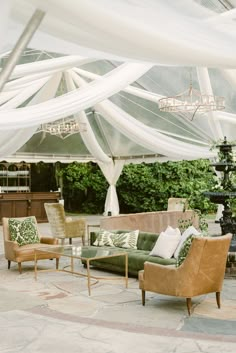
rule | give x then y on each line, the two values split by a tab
153	222
64	227
19	254
201	272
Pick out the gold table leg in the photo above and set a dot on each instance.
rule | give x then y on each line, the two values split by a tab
35	266
88	275
126	271
72	264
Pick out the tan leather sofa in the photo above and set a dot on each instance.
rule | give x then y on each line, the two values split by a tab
200	273
154	222
19	254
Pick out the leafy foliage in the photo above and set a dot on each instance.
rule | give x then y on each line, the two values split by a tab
140	188
84	188
145	187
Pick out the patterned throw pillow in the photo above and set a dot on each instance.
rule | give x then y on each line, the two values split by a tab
122	240
126	240
184	250
189	231
104	239
23	231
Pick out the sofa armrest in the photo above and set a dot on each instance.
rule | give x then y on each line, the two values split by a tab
49	240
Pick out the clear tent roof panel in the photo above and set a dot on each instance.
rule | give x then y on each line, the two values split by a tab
161	80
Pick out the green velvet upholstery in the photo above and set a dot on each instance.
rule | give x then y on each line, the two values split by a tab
136	258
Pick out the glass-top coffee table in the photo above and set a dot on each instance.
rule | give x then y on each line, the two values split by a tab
86	254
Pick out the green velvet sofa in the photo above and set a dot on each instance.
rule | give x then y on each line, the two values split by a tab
136	257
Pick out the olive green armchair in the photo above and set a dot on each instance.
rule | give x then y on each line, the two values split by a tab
63	227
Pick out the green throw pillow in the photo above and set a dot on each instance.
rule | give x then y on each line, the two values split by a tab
184	250
23	231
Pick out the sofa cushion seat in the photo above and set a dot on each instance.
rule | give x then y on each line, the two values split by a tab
136	259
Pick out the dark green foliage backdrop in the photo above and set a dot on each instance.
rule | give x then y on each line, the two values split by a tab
84	188
140	188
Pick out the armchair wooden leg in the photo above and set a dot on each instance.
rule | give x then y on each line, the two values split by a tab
143	297
57	263
8	264
70	241
218	299
19	267
189	305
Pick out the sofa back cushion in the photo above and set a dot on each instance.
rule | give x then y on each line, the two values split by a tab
146	241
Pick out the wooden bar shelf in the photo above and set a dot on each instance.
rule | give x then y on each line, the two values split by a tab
24	204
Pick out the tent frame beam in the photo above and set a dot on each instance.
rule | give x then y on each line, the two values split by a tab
21	44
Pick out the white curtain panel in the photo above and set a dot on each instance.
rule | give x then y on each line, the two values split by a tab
88	136
112	171
201	123
5	96
161	32
48	66
206	88
139	92
11	141
148	137
74	101
24	94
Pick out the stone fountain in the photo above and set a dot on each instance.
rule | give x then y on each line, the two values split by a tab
227	190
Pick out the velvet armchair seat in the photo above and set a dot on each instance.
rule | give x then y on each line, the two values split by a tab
200	273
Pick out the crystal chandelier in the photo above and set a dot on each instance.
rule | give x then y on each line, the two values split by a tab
191	101
63	128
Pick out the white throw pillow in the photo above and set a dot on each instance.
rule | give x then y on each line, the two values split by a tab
172	231
189	231
166	244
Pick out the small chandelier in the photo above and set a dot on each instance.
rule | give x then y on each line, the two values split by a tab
191	101
63	128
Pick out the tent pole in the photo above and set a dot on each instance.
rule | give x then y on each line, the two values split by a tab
21	44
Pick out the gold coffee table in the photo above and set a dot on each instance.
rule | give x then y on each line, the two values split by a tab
86	254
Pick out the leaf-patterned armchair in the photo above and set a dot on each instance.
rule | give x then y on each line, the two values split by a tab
25	252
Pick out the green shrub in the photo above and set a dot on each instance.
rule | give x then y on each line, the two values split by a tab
140	188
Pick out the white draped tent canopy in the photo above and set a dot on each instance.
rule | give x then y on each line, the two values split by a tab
107	64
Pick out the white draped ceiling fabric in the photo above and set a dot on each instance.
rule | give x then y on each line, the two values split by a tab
115	60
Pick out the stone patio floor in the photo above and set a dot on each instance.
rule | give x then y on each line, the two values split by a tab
55	314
